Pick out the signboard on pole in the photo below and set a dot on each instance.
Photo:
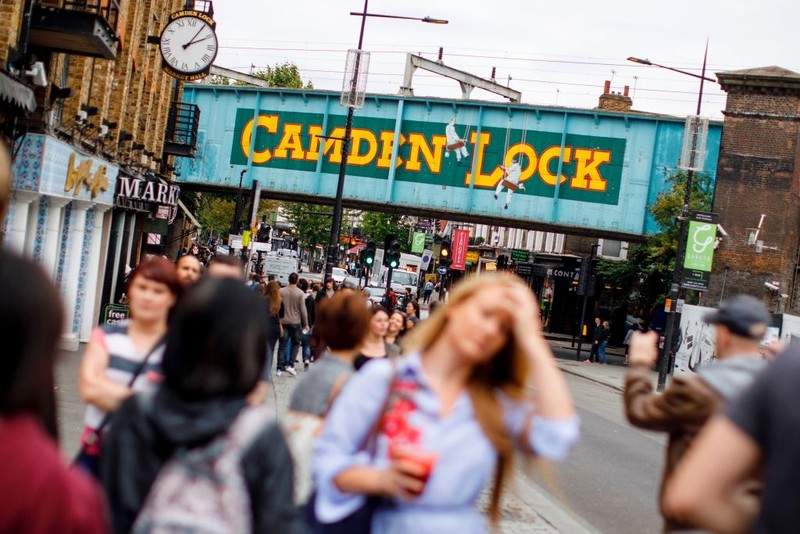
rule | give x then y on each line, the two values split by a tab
699	255
460	246
418	242
427	255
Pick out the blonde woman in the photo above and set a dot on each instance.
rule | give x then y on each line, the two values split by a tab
479	383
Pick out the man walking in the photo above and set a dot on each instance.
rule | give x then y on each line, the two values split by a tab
426	296
597	335
295	318
691	399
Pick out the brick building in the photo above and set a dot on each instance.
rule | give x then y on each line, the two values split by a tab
92	120
758	174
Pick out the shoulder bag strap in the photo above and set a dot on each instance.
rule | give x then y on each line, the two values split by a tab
95	435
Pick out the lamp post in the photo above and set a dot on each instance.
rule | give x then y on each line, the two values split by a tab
333	243
675	286
237	210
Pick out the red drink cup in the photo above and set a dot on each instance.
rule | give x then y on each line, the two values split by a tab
426	460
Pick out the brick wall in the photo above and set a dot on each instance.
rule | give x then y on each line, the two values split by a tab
757	173
10	17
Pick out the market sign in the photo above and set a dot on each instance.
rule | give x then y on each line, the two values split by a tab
418	243
472	256
459	247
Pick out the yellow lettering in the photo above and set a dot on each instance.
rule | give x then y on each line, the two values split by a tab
81	175
387	142
522	149
481	179
333	145
314	134
586	174
290	141
358	135
419	145
550	154
270	124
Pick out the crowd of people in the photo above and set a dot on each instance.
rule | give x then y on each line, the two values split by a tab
396	426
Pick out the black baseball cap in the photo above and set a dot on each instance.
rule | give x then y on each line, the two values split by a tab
743	315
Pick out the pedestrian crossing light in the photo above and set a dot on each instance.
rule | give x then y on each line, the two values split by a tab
394	254
369	254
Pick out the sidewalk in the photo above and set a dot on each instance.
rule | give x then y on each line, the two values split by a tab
611	375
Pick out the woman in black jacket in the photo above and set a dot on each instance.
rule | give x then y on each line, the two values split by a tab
213	360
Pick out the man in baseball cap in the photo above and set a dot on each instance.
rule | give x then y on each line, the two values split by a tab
743	316
691	399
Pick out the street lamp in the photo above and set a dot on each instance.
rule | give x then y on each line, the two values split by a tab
675	286
351	105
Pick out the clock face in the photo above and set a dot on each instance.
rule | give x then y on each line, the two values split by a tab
188	45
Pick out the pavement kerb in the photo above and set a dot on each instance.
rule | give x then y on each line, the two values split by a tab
590	378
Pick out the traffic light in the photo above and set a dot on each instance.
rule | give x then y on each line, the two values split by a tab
444	252
394	254
369	254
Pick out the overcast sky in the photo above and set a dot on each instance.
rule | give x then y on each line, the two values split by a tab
556	53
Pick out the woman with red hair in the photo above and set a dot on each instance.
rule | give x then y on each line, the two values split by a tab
124	358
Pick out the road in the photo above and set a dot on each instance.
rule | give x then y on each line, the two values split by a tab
612	476
609	482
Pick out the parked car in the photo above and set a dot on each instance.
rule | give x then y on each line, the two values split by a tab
375	294
339	275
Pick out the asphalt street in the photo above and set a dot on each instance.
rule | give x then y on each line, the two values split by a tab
608	484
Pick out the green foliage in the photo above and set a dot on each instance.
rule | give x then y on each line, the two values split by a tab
377	226
650	264
215	213
284	74
313	223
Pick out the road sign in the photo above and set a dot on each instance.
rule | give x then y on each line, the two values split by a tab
427	256
520	256
442	270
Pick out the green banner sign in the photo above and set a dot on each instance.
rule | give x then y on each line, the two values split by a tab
700	246
418	244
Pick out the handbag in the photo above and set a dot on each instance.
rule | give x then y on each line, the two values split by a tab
359	521
88	461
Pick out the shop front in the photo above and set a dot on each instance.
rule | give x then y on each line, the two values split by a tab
60	218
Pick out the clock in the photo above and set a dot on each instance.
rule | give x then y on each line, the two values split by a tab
188	45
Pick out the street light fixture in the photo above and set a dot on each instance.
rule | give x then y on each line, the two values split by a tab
352	102
675	286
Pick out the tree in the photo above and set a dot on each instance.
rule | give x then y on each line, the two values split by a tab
650	264
284	74
312	222
215	211
377	226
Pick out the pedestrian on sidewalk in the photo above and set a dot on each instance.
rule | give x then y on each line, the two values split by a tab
39	493
426	294
343	321
124	358
193	456
480	383
295	319
412	310
305	335
627	342
594	352
374	345
396	328
691	399
601	350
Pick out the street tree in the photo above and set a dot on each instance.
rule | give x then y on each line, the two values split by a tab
284	74
378	225
312	222
648	269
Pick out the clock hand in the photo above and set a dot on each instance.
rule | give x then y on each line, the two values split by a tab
187	45
193	38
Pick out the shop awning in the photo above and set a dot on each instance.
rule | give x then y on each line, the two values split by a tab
189	215
356	249
16	92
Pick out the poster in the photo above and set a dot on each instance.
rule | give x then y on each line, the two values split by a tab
696	343
460	246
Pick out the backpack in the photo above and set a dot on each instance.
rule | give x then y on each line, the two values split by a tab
203	490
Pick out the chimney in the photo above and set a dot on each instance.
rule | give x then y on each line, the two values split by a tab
610	101
625	90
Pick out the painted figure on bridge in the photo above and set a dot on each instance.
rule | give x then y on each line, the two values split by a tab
510	181
454	142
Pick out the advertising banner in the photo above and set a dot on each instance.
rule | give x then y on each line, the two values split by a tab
699	255
460	246
418	242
